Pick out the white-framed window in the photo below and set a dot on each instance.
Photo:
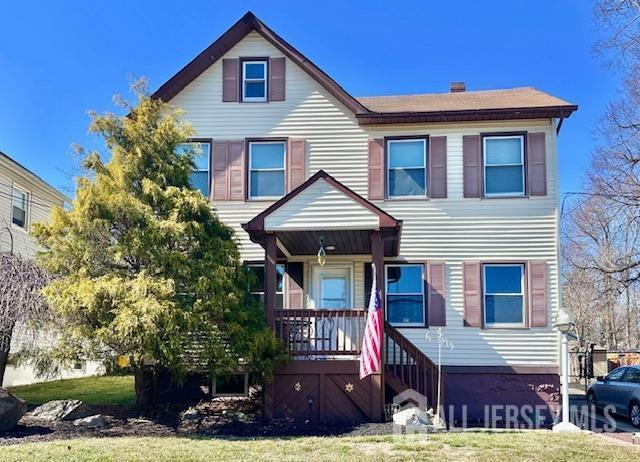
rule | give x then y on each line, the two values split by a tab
20	207
257	288
404	284
267	169
254	81
407	168
200	178
503	163
503	293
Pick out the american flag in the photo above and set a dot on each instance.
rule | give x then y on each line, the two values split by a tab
372	341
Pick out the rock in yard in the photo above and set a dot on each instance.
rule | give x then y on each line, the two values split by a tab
12	409
191	414
63	409
93	421
405	416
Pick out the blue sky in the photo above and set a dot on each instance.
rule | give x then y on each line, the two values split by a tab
60	59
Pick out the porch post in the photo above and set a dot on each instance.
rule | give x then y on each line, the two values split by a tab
270	281
270	278
377	257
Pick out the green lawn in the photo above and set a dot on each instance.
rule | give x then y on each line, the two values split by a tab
538	446
90	390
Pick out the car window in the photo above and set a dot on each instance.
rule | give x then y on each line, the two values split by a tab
632	375
617	374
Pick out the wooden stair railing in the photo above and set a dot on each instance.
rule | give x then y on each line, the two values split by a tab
409	368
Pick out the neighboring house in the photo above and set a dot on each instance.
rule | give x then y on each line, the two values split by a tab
26	199
454	197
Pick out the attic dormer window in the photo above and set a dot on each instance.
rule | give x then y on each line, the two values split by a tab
254	80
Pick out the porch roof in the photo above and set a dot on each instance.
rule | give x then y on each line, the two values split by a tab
324	207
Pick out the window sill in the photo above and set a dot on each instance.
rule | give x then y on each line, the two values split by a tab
263	199
20	229
506	196
408	326
407	198
505	327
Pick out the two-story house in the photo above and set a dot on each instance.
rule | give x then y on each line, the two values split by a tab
26	199
453	196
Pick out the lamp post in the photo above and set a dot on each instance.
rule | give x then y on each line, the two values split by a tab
564	324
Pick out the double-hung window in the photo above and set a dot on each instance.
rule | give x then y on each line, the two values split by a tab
257	287
266	169
19	207
503	295
254	81
407	168
503	165
200	177
405	294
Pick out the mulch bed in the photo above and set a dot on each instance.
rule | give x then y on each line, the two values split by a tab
221	417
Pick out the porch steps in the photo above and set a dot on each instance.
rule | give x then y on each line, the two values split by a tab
408	368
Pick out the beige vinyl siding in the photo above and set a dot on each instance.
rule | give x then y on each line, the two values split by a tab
42	198
452	230
314	208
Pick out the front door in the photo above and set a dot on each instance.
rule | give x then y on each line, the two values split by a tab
333	288
332	291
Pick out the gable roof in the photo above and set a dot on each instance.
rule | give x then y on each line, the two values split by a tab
384	219
249	22
35	178
515	103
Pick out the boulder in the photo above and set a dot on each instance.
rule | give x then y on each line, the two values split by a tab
12	409
191	414
61	409
93	421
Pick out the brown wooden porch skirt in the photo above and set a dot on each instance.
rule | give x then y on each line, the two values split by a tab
324	391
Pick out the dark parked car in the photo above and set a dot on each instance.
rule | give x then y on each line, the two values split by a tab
621	389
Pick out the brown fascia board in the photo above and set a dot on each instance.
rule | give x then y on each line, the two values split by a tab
465	115
230	38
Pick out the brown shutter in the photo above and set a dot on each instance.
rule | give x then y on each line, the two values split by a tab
230	80
536	164
471	287
236	171
436	290
438	166
368	282
221	170
376	169
472	165
296	156
537	293
276	79
295	285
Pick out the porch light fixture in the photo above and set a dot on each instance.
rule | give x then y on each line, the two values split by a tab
322	254
563	324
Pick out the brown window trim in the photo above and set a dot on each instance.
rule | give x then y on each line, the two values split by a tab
208	141
241	77
425	323
386	169
524	166
525	294
247	179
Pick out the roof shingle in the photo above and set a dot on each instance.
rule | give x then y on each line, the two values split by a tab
521	97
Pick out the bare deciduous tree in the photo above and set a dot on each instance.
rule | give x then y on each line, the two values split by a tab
21	302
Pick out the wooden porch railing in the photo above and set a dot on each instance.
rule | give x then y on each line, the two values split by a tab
408	367
317	333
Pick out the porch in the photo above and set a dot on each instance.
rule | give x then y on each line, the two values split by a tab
321	320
